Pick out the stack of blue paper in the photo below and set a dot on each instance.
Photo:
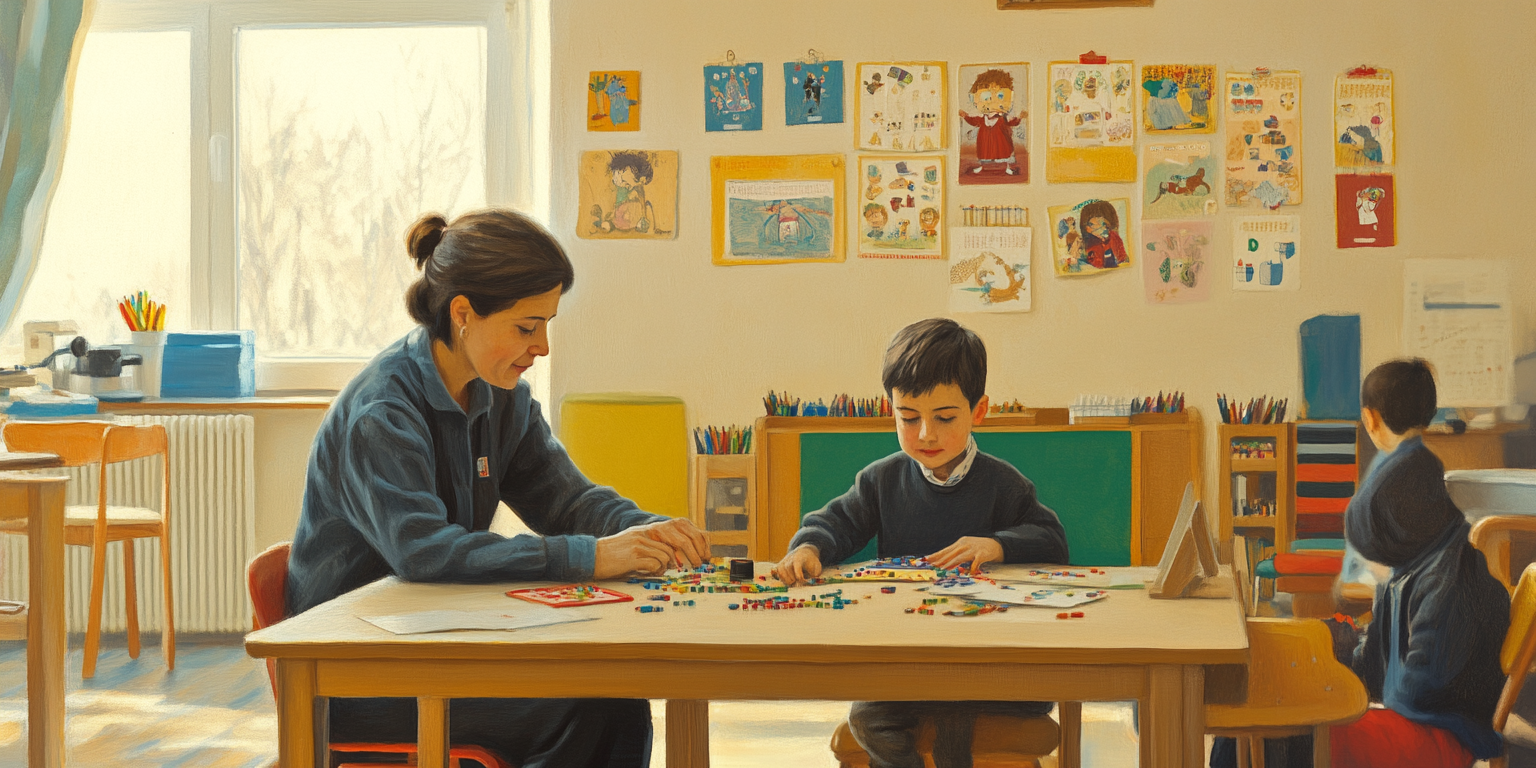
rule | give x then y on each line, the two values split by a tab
209	364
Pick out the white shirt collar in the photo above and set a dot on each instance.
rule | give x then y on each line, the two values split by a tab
959	472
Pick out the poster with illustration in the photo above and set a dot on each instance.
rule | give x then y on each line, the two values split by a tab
813	92
777	209
899	106
1174	260
1091	127
1180	180
989	269
1266	253
627	194
1362	121
901	207
733	97
1087	238
994	123
1263	157
1365	210
1176	98
613	101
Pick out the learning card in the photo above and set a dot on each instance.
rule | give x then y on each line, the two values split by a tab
570	595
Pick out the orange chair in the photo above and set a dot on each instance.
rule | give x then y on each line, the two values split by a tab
267	579
1491	536
82	443
1518	652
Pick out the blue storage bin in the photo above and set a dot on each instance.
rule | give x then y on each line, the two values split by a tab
209	364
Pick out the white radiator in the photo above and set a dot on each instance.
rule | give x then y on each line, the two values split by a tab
213	518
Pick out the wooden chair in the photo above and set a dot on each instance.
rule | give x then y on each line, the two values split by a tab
267	579
1491	535
83	443
1519	649
999	741
1295	687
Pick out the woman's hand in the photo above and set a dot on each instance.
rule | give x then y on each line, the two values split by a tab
801	564
689	545
975	550
631	551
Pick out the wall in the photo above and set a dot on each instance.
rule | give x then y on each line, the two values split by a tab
656	316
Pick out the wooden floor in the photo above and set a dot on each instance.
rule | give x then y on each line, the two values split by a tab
216	711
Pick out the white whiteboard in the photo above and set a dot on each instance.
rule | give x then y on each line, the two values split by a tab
1456	315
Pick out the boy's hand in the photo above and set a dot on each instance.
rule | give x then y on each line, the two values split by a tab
689	545
975	550
801	564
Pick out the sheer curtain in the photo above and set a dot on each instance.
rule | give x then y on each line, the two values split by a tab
39	47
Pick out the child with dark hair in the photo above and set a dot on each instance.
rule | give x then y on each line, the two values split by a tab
1102	246
938	497
631	172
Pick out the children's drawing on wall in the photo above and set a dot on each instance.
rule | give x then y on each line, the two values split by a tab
1180	180
777	210
989	269
994	124
733	97
613	101
1173	260
1265	253
1091	129
1263	156
1086	239
1365	210
813	92
900	106
901	207
627	194
1362	120
1176	98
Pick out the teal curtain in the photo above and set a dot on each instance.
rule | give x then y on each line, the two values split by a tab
39	47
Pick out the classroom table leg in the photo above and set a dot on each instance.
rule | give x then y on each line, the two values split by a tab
687	733
431	732
45	625
302	726
1069	715
1194	715
1162	718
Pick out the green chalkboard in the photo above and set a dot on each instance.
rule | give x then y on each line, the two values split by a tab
1085	476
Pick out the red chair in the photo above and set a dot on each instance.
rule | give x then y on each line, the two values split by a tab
267	579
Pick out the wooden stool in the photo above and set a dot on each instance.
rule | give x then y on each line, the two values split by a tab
1000	741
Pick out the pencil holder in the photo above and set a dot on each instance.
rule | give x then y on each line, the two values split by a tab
151	346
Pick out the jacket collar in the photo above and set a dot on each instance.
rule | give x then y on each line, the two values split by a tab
418	346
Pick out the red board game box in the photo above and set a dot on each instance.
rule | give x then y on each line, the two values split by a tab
570	595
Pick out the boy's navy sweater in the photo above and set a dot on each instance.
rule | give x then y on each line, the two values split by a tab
891	499
1431	653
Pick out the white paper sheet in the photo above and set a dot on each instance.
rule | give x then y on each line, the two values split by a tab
1045	598
519	617
1456	316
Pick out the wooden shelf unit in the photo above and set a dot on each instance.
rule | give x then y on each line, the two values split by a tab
730	478
1279	528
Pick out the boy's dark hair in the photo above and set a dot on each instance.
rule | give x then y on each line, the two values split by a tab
932	352
1402	391
637	163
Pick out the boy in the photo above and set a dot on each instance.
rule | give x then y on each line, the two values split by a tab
1431	653
938	497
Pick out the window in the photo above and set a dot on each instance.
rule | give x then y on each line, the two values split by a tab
257	165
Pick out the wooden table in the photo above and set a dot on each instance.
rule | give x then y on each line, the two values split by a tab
41	501
1128	646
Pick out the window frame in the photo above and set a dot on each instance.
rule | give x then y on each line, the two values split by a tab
516	127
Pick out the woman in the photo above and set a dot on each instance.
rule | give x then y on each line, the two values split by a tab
414	455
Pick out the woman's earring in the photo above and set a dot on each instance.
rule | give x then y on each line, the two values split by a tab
462	329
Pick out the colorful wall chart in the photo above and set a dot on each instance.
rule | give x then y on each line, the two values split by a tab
900	106
901	207
1266	253
1263	157
1091	128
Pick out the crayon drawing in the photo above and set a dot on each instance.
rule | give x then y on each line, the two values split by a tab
733	97
994	124
1173	261
777	210
901	207
1092	123
1263	157
1086	238
1180	180
1266	253
989	269
1176	98
813	92
899	106
1362	121
627	195
1365	210
613	101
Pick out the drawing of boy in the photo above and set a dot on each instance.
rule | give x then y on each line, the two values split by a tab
992	93
928	222
1102	246
937	497
631	172
876	217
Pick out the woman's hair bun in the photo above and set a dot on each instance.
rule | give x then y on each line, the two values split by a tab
423	237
